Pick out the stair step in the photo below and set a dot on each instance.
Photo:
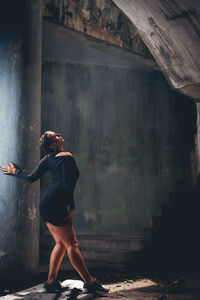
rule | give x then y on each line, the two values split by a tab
100	254
148	234
92	236
134	243
66	265
156	223
165	210
182	185
178	198
98	250
95	259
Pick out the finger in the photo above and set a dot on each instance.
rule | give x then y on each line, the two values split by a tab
6	165
3	169
12	165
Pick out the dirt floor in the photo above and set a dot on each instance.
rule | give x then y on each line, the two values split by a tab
182	288
127	286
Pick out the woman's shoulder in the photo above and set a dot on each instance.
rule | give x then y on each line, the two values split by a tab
64	154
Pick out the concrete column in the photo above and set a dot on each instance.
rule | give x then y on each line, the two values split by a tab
198	139
20	90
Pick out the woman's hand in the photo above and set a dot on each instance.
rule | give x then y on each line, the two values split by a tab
71	213
69	217
8	169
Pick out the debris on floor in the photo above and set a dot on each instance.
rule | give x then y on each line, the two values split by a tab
182	288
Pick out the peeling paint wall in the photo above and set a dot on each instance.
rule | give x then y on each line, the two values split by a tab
98	19
171	30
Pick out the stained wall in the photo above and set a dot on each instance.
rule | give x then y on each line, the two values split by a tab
20	82
131	135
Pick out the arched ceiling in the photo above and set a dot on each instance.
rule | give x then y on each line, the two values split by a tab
171	31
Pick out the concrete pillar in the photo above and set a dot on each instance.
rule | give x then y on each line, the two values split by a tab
20	89
198	139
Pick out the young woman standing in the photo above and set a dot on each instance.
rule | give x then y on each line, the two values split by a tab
57	207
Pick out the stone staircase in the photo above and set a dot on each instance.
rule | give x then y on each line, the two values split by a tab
173	240
114	250
171	243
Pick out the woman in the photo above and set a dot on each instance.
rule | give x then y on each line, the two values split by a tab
57	207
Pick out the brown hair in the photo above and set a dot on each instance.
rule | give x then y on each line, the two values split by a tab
45	142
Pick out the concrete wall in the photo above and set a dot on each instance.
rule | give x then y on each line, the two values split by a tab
198	140
131	135
10	74
170	30
98	19
20	81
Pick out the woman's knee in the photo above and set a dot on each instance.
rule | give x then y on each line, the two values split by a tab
60	245
72	246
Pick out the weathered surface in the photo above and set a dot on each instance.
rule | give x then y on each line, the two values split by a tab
140	288
127	130
72	289
20	72
99	19
171	30
70	46
198	139
102	250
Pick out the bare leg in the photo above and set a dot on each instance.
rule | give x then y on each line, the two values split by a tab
66	236
78	263
56	258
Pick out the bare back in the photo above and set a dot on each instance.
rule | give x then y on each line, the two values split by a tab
64	154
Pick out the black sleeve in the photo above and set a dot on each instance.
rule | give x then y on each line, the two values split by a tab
71	174
36	174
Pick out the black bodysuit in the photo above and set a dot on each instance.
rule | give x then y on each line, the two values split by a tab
59	199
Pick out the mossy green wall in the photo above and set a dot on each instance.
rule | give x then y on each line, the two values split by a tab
131	136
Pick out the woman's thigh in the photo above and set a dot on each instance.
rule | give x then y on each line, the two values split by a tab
63	234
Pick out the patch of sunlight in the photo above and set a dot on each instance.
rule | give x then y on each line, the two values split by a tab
130	285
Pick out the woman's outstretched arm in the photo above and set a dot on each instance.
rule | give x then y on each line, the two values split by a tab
12	169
